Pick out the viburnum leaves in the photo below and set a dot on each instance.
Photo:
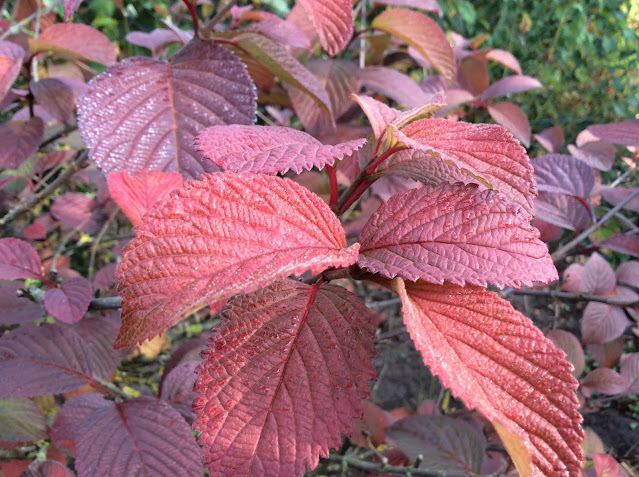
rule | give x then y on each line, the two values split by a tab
226	234
63	39
270	150
496	361
455	233
139	113
11	55
282	378
333	20
20	141
70	301
18	260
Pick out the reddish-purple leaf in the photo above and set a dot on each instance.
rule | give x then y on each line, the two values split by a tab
427	5
18	260
372	425
504	57
333	20
605	381
551	139
598	154
487	151
269	150
607	354
625	133
70	6
155	40
569	344
14	309
513	118
509	85
55	96
473	74
74	40
177	388
79	211
21	421
422	33
140	114
70	301
630	371
547	232
628	273
20	140
597	276
563	210
496	361
137	193
440	443
395	85
282	379
105	279
276	28
572	278
68	421
11	55
615	195
605	465
602	323
141	436
57	358
379	115
455	233
623	243
226	234
47	468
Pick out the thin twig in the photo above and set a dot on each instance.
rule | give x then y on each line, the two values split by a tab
561	252
25	21
208	26
66	130
98	239
97	304
570	296
351	461
622	177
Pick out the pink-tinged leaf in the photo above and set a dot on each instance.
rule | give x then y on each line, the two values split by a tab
70	301
70	6
47	468
628	244
427	5
615	195
299	18
602	323
379	115
504	57
20	140
79	211
372	425
598	154
136	437
226	234
496	361
563	210
513	118
386	187
11	56
340	79
625	133
605	381
473	74
18	260
551	139
68	421
21	421
569	344
105	279
442	444
547	232
16	310
433	84
509	85
177	388
605	465
456	97
55	97
282	379
395	85
57	358
140	114
572	278
155	40
628	273
455	233
630	371
422	33
487	151
74	40
333	20
607	355
137	193
269	149
597	277
277	29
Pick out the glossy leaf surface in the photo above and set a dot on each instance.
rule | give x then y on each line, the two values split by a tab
226	234
333	20
282	379
70	301
18	260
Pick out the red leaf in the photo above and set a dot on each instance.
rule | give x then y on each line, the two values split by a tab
55	97
395	85
269	149
606	466
226	234
371	428
77	210
20	140
18	260
282	379
139	113
630	371
504	57
11	56
14	309
47	468
496	361
628	273
141	436
177	388
605	381
486	151
513	118
427	5
276	28
598	154
70	302
21	421
509	85
137	193
569	344
74	40
333	20
454	233
551	139
70	6
615	195
597	276
53	359
68	421
422	33
378	114
625	133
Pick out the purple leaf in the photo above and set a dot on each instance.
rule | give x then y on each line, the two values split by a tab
277	29
70	6
551	139
55	96
20	140
607	354
177	388
18	260
14	309
79	211
602	323
597	276
605	381
11	55
105	279
155	40
598	154
57	358
47	468
395	85
70	302
139	114
569	344
379	115
513	118
630	371
628	244
509	85
625	133
269	150
68	421
21	421
615	195
628	273
427	5
504	57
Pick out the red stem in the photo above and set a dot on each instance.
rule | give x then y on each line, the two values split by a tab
356	194
332	179
385	155
196	21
